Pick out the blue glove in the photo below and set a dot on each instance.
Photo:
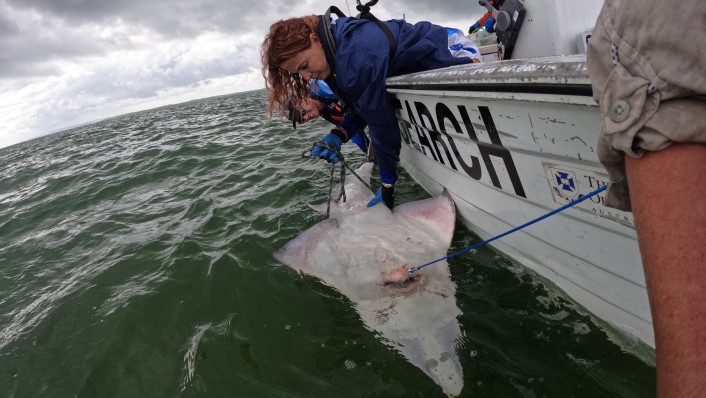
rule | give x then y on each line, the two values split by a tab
324	153
361	140
490	25
377	199
384	195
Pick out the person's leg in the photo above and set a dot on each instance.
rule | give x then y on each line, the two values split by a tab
668	196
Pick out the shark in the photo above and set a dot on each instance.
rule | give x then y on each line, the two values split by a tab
366	253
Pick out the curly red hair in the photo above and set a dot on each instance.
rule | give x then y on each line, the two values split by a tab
285	39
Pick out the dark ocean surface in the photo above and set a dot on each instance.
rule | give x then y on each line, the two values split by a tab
136	261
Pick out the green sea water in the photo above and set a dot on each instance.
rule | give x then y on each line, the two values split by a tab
136	261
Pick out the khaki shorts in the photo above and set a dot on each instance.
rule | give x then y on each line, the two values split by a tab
647	64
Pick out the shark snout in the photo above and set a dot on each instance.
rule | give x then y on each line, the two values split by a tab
400	280
396	275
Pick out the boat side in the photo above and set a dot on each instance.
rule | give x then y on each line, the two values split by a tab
511	141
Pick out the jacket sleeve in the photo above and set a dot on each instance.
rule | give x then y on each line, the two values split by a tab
352	123
376	107
362	68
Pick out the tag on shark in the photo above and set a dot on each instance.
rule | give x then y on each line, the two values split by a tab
365	253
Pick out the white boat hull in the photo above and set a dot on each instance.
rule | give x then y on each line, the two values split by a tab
512	141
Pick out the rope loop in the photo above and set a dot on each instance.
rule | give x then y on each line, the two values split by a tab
342	174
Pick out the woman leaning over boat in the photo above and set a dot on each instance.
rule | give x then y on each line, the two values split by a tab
354	57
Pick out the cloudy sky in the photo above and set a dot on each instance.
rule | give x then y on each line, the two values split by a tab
69	62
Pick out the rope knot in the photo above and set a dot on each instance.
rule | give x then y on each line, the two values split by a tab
365	8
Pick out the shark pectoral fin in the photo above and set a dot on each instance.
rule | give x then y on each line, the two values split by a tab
296	252
364	171
437	213
320	208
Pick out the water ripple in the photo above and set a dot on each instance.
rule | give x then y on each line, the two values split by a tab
128	246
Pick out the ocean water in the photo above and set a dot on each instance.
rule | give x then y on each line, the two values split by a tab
136	261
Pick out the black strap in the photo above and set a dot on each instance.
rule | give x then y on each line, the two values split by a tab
325	28
366	14
324	32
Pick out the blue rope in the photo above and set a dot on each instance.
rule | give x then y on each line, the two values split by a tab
527	224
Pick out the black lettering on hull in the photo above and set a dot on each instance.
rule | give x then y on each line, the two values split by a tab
428	140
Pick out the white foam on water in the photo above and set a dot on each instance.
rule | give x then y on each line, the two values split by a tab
190	356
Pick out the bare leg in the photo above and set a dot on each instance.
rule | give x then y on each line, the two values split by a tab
668	196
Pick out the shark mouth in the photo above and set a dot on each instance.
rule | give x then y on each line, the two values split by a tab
404	285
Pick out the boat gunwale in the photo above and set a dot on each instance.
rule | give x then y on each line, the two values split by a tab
581	90
562	75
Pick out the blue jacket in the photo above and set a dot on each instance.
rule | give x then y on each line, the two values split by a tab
362	66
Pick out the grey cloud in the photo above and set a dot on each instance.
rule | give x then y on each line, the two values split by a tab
182	18
445	7
33	33
32	46
151	76
7	26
